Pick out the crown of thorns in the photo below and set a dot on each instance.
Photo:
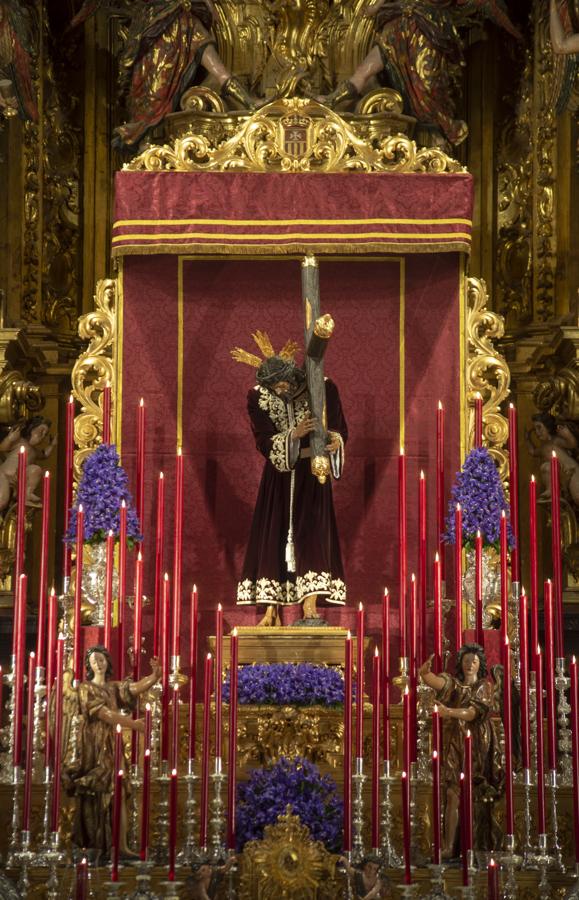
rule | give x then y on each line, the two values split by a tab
261	338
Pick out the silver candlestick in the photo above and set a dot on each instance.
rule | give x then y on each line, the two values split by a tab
172	889
155	694
358	780
143	890
528	846
6	758
563	710
24	858
14	848
113	890
510	861
54	857
39	694
160	850
190	849
390	858
348	892
46	841
136	783
543	861
555	846
573	892
217	811
514	635
437	891
231	893
425	704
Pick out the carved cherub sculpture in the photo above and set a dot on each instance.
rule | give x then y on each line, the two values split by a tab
30	435
555	437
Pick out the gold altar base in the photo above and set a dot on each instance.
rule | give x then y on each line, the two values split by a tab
289	644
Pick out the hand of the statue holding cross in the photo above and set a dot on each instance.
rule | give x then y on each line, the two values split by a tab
304	427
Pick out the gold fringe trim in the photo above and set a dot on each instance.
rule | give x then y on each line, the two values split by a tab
224	250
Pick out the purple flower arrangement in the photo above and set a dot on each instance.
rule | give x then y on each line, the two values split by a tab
287	684
297	782
103	484
479	490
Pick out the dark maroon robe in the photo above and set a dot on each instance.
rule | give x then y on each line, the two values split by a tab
318	563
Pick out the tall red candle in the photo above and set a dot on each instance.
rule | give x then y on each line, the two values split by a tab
172	824
165	666
360	684
17	644
422	550
145	805
406	732
81	886
413	671
437	615
138	617
29	743
440	486
122	591
533	562
436	857
159	551
20	515
458	576
175	723
43	574
118	758
514	492
140	492
406	827
468	796
436	745
50	670
177	545
108	610
107	414
232	758
575	750
541	818
68	480
148	726
478	420
57	749
204	802
348	744
18	670
402	553
386	676
218	681
193	673
376	751
117	804
77	640
550	677
462	815
478	589
504	557
508	729
492	881
556	551
524	672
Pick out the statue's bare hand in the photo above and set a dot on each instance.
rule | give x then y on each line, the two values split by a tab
426	667
139	725
334	442
304	427
443	711
156	667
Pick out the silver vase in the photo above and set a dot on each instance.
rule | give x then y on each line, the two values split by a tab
94	578
491	586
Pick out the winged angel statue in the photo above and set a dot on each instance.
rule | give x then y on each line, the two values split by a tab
17	29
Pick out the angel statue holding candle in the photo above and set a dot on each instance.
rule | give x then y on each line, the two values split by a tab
89	766
466	702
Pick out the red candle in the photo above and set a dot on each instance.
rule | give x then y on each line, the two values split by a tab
57	750
159	550
193	672
20	514
440	485
16	630
138	617
478	589
514	492
205	752
68	480
386	676
492	881
165	669
148	726
556	551
81	892
50	669
462	817
175	721
232	765
406	732
376	751
172	824
43	574
422	549
437	662
118	748
524	670
117	803
436	858
406	827
541	829
77	641
413	670
533	561
360	684
146	801
29	743
140	492
177	545
468	799
402	553
107	414
218	681
575	751
122	591
348	744
478	420
508	729
108	611
18	670
436	730
504	552
458	575
550	677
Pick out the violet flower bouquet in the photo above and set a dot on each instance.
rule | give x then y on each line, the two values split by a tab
103	484
479	490
295	782
287	684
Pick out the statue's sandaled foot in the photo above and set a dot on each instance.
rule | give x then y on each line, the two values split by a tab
270	617
345	91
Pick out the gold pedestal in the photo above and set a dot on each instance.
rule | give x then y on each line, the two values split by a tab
292	644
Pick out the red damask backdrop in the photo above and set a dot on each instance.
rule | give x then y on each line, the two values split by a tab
223	302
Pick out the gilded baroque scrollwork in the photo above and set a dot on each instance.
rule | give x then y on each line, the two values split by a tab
266	142
487	371
270	732
288	863
94	369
